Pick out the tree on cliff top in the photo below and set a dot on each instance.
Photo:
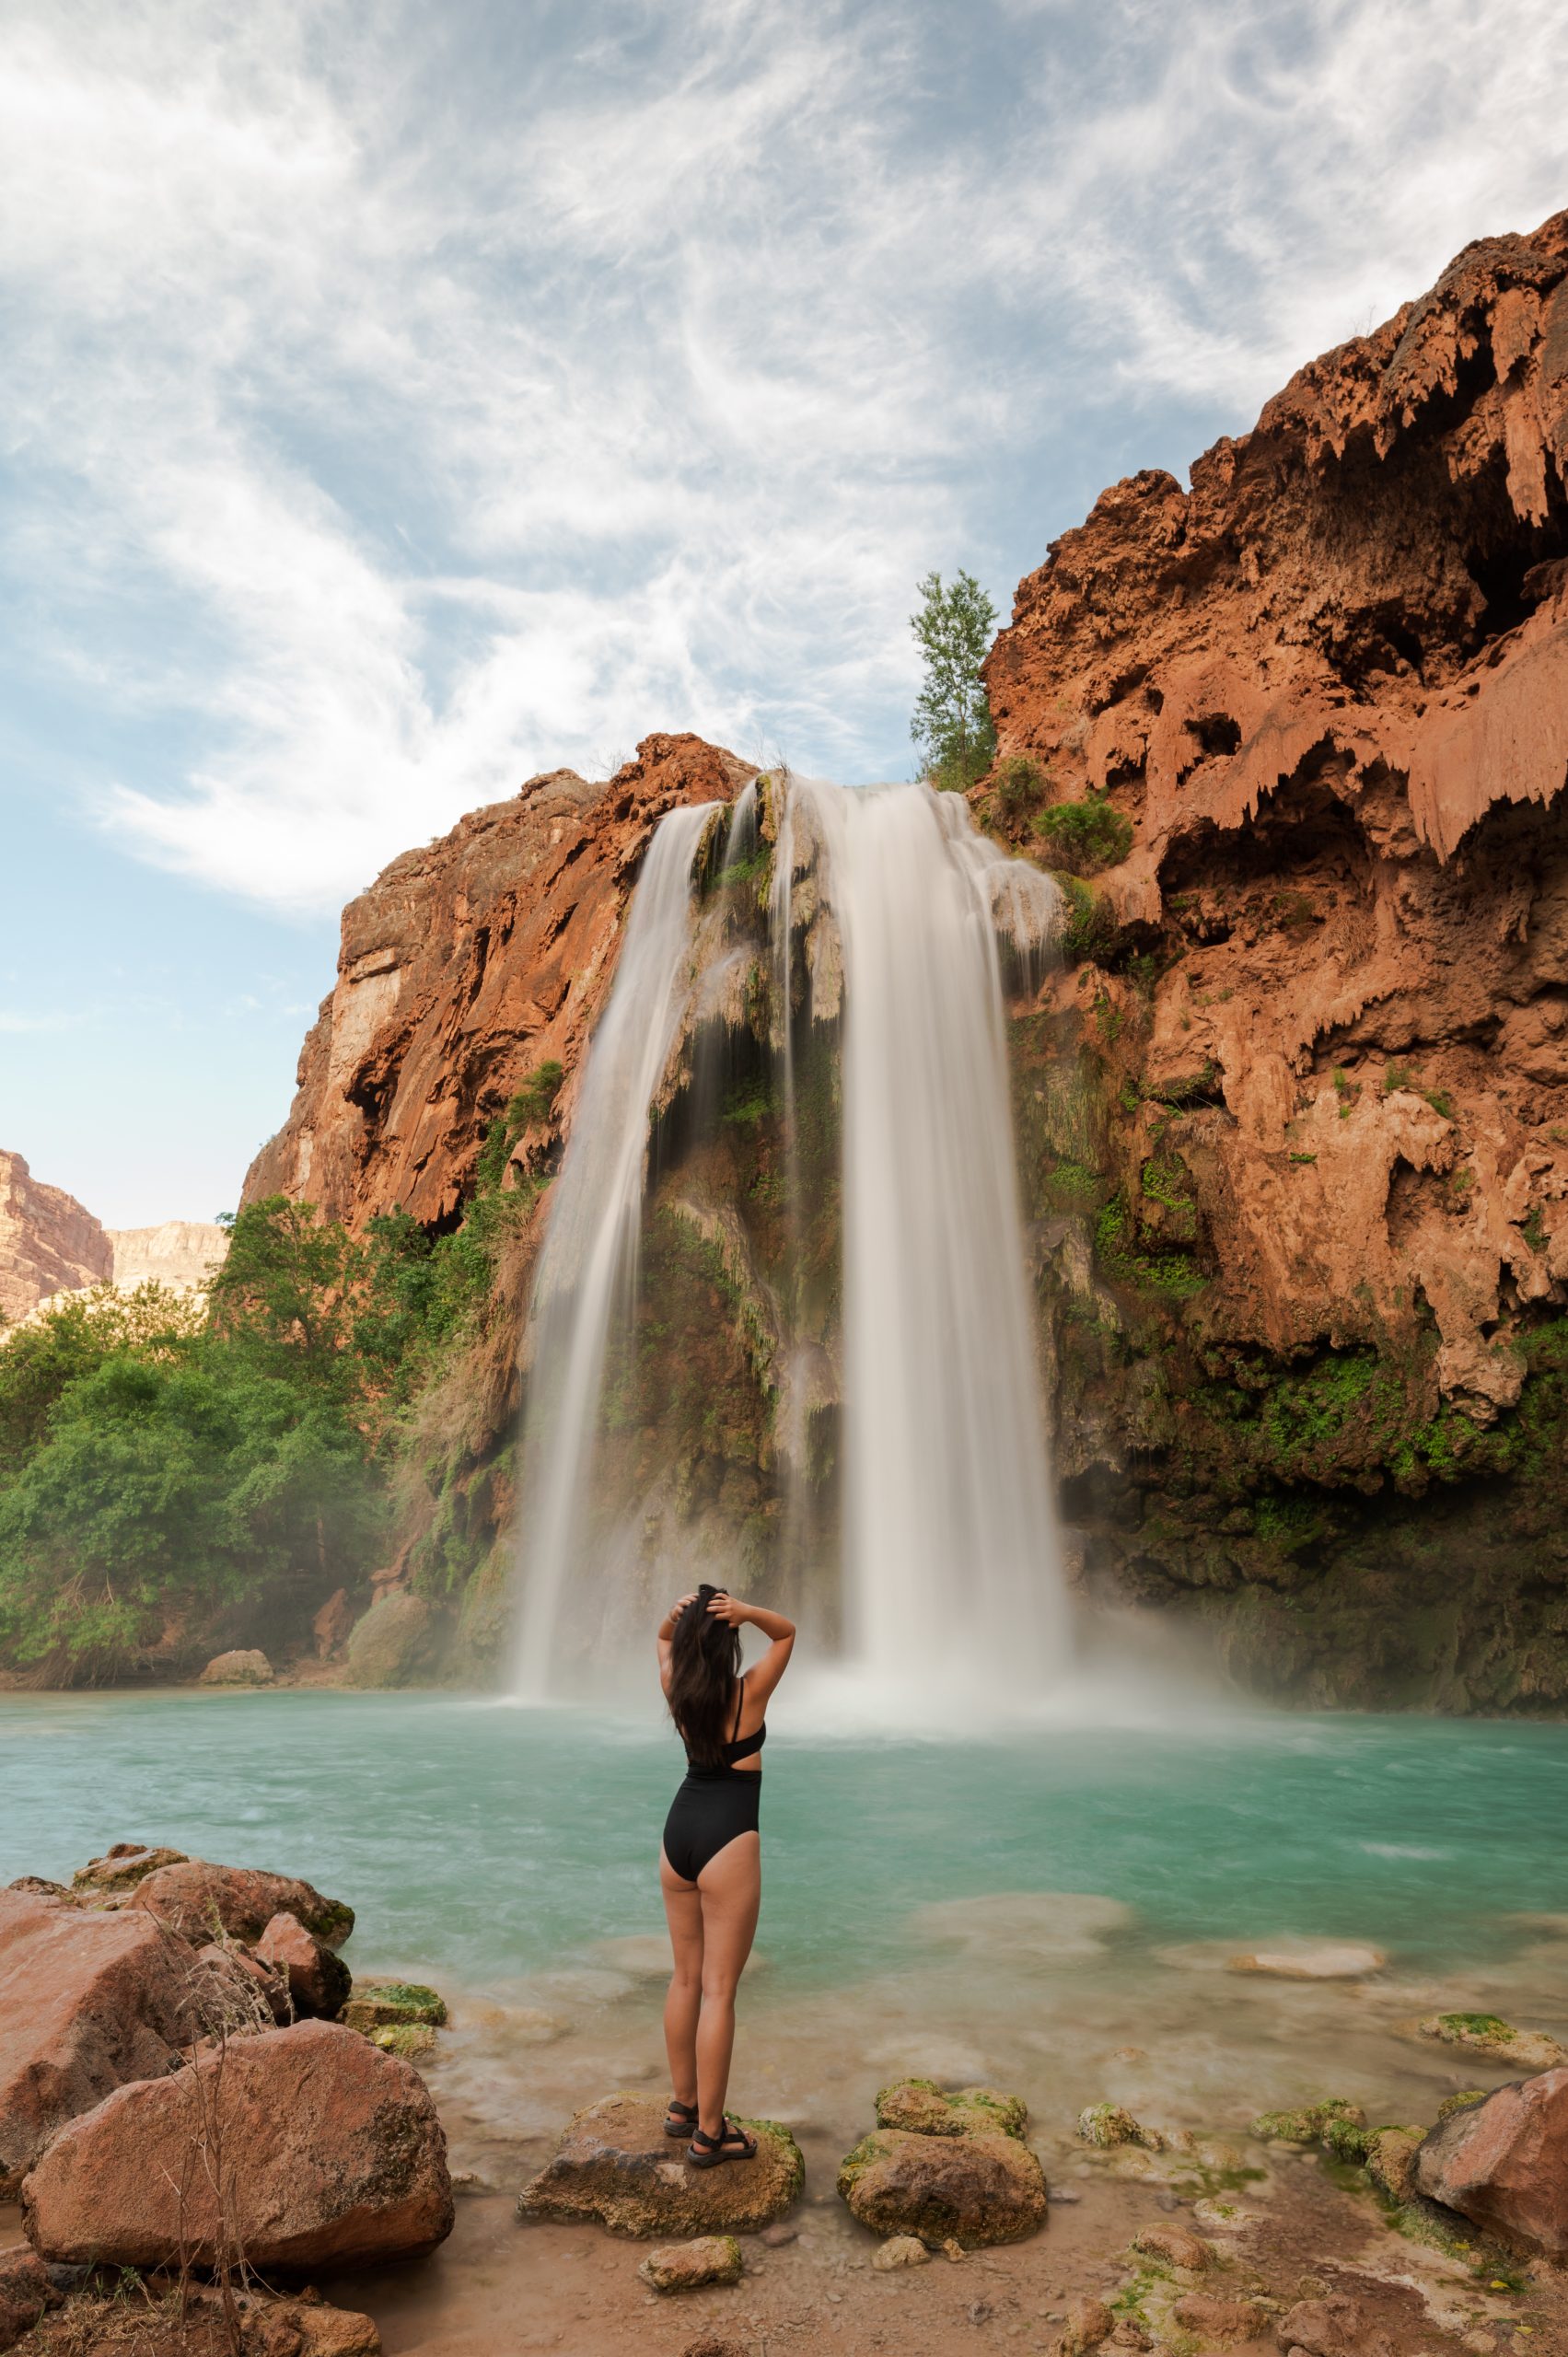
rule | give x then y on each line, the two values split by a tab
952	719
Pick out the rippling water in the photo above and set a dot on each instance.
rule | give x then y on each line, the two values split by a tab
491	1842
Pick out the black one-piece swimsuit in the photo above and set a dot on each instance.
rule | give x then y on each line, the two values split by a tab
713	1805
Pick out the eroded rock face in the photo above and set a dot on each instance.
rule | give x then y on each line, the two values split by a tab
1327	1055
615	2163
332	2153
87	2001
1503	2163
974	2189
48	1242
464	968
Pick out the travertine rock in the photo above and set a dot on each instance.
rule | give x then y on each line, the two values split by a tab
48	1242
247	1666
975	2189
687	2267
331	2155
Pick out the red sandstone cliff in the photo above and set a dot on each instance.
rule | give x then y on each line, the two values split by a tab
1328	687
463	967
49	1243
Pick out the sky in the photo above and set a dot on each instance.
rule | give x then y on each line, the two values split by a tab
398	401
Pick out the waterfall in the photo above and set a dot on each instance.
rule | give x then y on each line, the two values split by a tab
891	909
589	1264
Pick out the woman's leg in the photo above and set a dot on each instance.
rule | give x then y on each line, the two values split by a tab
684	1910
729	1890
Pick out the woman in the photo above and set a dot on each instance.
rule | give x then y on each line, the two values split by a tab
711	1860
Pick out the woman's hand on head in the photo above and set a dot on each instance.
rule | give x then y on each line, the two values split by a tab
678	1606
729	1608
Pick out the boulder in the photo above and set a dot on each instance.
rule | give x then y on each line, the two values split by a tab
615	2163
123	1867
685	2267
1089	2323
196	1899
1106	2124
319	1981
394	1643
382	2004
26	2293
1175	2246
1221	2320
899	2251
332	2155
238	1993
921	2106
1503	2163
247	1666
87	2001
976	2189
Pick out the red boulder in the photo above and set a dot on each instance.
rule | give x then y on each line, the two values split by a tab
319	1981
87	2001
197	1900
1503	2163
328	2152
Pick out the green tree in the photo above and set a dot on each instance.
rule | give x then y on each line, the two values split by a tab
952	719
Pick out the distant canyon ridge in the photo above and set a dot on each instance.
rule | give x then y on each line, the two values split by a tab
1291	1113
51	1244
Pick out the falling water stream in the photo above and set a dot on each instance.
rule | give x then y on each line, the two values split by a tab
888	917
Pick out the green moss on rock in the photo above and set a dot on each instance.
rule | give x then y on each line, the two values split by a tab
384	2005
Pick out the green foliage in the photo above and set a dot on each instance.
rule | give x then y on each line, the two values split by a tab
1020	784
1128	1258
952	722
1090	927
1084	837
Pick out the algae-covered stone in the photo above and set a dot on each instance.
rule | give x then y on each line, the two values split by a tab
1527	2049
382	2004
1308	2122
1390	2160
615	2163
1175	2246
1106	2124
408	2040
123	1866
921	2106
685	2267
975	2189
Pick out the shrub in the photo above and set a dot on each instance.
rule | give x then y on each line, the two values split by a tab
1084	837
1020	785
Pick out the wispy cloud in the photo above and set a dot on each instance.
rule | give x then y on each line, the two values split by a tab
401	401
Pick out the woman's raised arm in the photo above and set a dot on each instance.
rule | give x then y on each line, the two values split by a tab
780	1633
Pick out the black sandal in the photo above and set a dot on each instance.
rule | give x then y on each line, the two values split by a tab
731	2143
686	2124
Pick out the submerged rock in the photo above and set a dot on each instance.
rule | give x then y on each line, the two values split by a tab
247	1666
1175	2246
1108	2124
921	2106
1311	1960
685	2267
381	2004
1529	2049
195	1898
319	1981
1308	2123
331	2154
87	2001
974	2189
615	2163
1052	1926
1503	2163
409	2040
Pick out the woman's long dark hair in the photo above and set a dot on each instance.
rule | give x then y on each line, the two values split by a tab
704	1670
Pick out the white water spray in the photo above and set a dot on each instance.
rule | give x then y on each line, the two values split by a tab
954	1593
590	1261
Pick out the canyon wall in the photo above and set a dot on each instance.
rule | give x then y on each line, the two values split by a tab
1305	1217
48	1242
